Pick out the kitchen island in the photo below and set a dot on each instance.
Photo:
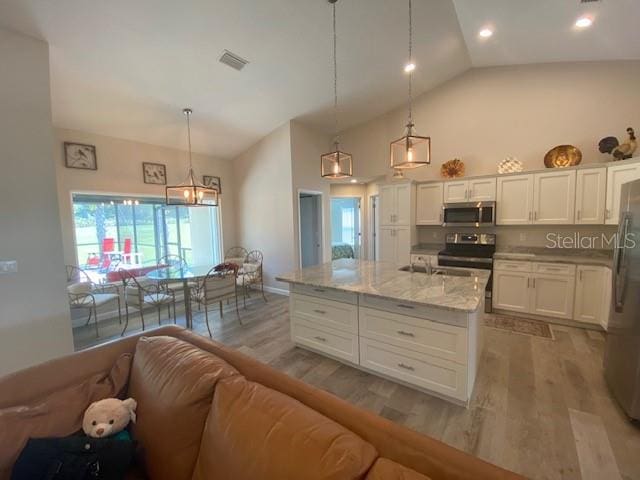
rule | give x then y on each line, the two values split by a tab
418	329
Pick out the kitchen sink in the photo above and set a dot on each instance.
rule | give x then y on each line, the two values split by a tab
436	271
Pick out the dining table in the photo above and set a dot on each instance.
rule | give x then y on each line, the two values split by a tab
184	275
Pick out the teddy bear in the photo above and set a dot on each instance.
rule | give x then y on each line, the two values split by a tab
109	418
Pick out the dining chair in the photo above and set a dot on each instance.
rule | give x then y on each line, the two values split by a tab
178	263
251	274
141	292
216	287
82	295
236	255
78	275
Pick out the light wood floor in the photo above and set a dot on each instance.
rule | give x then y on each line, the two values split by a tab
540	406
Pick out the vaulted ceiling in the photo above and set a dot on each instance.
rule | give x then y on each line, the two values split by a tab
125	68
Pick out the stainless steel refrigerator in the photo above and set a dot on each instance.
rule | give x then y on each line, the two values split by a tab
622	353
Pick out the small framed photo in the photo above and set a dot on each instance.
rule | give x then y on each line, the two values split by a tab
212	182
79	155
154	173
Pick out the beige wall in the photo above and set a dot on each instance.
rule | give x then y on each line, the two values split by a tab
264	206
120	172
34	315
486	114
307	145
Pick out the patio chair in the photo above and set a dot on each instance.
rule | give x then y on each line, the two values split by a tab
141	292
251	274
81	295
128	255
215	288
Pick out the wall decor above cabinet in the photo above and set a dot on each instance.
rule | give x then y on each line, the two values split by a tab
452	168
563	156
510	165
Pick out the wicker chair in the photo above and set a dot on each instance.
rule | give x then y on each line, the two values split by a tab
140	292
215	288
250	274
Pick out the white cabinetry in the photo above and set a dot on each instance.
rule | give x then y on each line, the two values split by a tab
592	295
591	188
397	220
476	190
545	289
541	198
514	200
429	204
617	175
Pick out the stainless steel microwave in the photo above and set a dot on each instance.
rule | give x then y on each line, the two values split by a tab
471	214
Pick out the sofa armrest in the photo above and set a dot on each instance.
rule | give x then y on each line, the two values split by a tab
21	387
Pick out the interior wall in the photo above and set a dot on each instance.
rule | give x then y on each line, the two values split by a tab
120	172
486	114
264	204
34	314
307	146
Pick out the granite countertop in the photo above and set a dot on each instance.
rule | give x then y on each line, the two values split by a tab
556	255
383	279
427	248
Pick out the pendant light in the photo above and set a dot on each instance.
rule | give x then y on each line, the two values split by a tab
191	193
410	151
335	164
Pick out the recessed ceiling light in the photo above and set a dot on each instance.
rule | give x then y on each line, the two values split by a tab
353	180
584	22
409	67
485	32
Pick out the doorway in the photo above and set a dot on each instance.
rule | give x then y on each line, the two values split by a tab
374	217
310	228
345	227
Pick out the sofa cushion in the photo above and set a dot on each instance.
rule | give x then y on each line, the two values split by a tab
253	432
173	382
385	469
57	414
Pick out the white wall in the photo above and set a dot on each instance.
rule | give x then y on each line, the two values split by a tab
120	172
264	204
34	314
486	114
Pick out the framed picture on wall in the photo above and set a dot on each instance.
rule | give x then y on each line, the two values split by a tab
154	173
212	182
79	155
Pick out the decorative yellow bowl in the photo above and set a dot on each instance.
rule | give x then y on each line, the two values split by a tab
563	156
452	169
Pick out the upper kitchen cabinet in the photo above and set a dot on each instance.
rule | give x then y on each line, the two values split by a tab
591	192
396	202
429	204
514	199
617	175
475	190
554	195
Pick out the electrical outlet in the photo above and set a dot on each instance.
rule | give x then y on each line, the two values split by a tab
523	237
8	266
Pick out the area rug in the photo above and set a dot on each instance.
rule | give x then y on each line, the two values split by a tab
523	326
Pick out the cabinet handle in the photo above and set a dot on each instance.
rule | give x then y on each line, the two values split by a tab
408	307
579	215
528	282
322	339
406	334
607	213
535	216
530	215
321	312
534	282
441	217
319	290
406	367
580	275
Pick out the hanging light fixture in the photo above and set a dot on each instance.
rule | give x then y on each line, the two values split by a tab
335	164
412	150
191	193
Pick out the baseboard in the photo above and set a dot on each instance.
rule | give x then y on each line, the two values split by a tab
278	291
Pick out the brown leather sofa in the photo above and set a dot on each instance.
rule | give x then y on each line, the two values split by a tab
207	412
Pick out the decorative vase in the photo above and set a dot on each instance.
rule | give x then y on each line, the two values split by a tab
510	165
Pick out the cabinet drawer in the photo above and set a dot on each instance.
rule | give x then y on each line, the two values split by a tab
555	268
437	339
320	311
438	315
512	266
332	342
328	293
425	371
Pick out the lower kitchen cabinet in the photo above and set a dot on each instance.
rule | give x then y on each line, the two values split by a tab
552	295
511	290
592	295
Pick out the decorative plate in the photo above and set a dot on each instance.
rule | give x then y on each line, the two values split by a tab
452	169
510	165
563	156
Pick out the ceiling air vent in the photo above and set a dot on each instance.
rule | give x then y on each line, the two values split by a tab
232	60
